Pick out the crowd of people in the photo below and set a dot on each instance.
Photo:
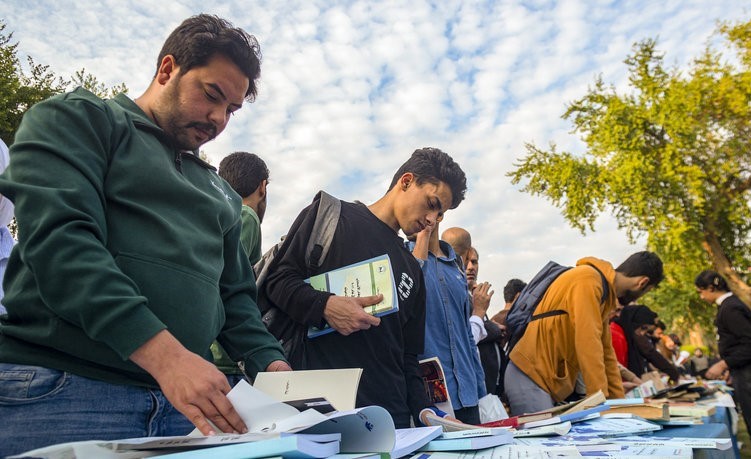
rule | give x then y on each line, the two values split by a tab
133	308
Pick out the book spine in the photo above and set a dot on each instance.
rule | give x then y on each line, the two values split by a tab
467	433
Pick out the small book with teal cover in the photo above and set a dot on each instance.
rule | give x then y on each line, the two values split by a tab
365	278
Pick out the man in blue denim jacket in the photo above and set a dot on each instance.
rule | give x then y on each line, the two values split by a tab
447	330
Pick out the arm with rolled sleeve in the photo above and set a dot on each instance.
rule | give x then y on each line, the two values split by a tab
477	327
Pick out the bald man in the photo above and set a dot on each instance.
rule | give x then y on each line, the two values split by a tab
460	240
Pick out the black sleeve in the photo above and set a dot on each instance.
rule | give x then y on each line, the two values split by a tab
416	395
494	332
285	285
414	342
653	356
737	320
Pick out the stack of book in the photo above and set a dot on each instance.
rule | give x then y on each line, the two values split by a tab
307	428
552	422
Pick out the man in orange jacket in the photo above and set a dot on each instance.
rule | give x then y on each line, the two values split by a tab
546	360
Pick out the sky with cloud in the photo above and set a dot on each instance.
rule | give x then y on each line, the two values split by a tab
349	89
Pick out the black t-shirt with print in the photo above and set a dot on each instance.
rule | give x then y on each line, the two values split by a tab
386	353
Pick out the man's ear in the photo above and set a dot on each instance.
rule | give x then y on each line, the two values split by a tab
406	180
262	189
642	282
167	69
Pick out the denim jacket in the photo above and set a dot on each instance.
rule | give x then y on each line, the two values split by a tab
447	331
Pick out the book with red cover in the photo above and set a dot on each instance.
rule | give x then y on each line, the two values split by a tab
516	421
584	404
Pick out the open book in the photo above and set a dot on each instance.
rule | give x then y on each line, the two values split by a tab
434	382
365	278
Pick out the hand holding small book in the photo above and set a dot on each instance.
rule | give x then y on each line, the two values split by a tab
346	314
432	416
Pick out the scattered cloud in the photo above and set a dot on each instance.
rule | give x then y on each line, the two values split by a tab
350	88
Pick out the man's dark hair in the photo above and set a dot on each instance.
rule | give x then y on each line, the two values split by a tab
434	166
513	287
199	38
643	264
244	172
709	277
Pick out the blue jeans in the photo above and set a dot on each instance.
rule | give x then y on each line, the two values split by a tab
41	407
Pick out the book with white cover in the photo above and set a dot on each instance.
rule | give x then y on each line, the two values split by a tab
367	429
677	442
79	449
579	415
544	431
479	432
615	427
339	386
410	440
469	443
297	446
244	446
640	452
581	442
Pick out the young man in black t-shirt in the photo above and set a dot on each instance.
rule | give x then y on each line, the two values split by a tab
386	348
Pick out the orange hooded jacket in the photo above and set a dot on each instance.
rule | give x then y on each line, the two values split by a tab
555	349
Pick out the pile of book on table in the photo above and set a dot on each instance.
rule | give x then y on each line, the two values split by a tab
311	414
301	414
592	427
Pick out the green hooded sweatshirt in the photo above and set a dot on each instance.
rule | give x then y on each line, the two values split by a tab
121	235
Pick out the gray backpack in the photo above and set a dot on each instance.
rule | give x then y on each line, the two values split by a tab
291	335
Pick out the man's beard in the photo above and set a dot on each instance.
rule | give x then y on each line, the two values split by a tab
169	118
629	296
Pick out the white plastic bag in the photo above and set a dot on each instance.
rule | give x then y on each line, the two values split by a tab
491	409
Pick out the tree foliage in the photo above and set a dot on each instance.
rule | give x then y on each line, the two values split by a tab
20	89
670	159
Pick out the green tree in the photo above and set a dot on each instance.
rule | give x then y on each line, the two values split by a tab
90	82
19	90
669	157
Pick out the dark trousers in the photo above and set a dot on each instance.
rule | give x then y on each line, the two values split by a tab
468	415
742	392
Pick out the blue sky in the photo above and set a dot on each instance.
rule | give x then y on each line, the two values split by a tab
349	89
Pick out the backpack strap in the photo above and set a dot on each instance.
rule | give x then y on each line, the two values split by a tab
558	312
605	285
327	218
555	312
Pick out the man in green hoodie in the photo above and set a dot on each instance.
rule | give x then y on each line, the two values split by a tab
129	263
